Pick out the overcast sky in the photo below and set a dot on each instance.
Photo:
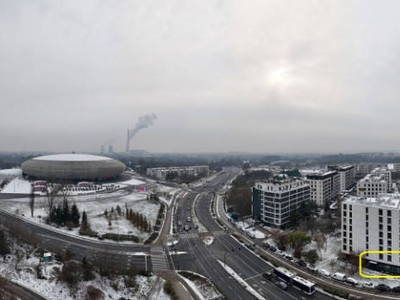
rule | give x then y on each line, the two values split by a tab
234	75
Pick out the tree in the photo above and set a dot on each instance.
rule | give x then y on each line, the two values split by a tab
66	213
4	247
312	256
298	239
50	200
87	270
75	215
32	201
119	210
85	226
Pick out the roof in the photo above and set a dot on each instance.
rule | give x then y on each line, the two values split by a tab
72	157
383	200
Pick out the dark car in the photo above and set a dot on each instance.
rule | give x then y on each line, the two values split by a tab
267	246
302	263
267	275
272	248
382	287
396	289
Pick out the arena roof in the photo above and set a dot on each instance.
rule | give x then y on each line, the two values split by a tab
72	157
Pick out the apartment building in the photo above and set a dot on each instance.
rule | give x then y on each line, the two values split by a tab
377	182
366	168
274	201
324	186
162	173
347	176
372	224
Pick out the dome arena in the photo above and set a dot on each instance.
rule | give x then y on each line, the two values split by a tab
73	167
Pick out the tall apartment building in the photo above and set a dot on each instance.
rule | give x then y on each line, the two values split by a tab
377	182
347	176
372	224
274	201
366	168
324	186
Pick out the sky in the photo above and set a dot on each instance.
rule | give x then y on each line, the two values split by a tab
255	76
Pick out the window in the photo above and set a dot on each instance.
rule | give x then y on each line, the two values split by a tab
351	235
366	210
344	227
380	227
389	258
366	217
344	206
350	221
344	233
350	207
344	247
366	224
344	213
389	228
380	256
389	221
380	219
366	231
380	241
344	241
389	213
380	234
380	212
389	235
367	239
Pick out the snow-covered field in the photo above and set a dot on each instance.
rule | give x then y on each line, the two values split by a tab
201	286
17	185
94	206
52	288
249	230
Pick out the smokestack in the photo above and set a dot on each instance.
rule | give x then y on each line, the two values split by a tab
143	122
127	141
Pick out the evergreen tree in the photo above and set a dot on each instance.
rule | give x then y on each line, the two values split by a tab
75	215
119	210
4	248
66	213
85	226
87	270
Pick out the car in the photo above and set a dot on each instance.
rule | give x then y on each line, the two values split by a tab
267	275
339	276
188	219
382	287
187	228
288	257
302	263
267	246
272	248
351	280
188	208
323	272
368	285
281	284
179	223
396	289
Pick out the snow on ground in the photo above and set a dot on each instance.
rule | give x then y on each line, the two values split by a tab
208	240
17	186
202	287
249	230
51	288
4	173
95	205
243	283
328	253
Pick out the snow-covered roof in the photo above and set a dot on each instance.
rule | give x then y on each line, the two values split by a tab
383	200
11	172
134	182
72	157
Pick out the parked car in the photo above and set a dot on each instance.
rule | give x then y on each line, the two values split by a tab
323	272
302	263
382	287
339	276
272	248
281	284
187	228
288	257
267	275
189	219
267	246
396	289
352	281
312	268
368	285
179	223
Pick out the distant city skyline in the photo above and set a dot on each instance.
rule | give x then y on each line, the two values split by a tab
221	76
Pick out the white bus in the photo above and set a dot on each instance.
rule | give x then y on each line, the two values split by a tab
304	285
284	274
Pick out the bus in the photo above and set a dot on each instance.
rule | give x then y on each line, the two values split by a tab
284	274
304	285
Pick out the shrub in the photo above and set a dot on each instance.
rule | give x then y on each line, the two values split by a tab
93	293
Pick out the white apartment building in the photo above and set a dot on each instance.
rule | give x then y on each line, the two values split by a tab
161	173
396	167
273	201
372	224
347	176
324	186
377	182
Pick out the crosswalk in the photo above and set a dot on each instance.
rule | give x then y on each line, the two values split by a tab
159	262
219	233
189	235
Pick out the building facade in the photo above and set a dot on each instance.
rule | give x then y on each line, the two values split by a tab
372	224
163	172
377	182
347	176
324	186
274	201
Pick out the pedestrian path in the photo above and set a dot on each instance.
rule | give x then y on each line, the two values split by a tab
189	235
159	262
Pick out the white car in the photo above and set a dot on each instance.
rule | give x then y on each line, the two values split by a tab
352	281
339	276
323	272
312	268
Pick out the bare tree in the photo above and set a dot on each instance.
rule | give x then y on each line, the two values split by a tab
50	198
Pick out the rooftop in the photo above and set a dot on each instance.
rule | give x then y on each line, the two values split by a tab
72	157
383	200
